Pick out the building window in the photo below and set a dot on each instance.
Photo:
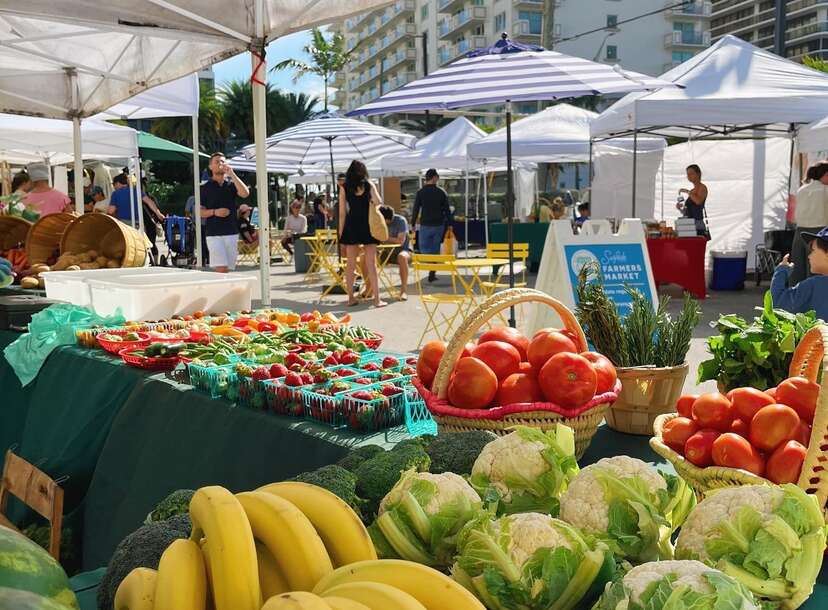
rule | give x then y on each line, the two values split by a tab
612	21
424	12
500	22
681	56
535	21
612	51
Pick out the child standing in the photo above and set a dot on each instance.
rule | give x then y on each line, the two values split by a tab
810	293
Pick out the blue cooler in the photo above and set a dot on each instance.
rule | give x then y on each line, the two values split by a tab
729	270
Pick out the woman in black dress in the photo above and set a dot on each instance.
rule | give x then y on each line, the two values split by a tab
355	199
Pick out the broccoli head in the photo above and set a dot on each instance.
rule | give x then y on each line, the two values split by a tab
141	549
356	456
456	451
174	504
376	476
337	480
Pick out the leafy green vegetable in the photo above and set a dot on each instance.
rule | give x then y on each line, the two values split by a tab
756	354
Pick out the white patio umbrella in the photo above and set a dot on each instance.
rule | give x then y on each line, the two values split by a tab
508	72
71	60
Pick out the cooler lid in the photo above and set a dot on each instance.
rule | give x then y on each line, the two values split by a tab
729	253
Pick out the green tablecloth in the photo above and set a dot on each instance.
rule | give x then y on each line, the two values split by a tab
533	233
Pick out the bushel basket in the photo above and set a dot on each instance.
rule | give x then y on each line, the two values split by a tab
808	360
584	420
43	240
646	393
13	231
106	235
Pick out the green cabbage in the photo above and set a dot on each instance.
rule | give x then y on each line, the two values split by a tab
514	476
569	574
777	556
421	516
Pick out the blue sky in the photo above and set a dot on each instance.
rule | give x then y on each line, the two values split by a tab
238	68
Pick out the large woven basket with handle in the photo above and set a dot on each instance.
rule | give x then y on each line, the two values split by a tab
584	420
808	360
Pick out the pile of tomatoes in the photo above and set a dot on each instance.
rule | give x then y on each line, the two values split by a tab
766	433
504	367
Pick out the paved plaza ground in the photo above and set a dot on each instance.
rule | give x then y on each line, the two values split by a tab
403	322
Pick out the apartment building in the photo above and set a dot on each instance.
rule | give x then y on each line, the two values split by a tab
396	42
805	24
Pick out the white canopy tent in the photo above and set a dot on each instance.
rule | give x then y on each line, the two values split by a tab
75	59
813	137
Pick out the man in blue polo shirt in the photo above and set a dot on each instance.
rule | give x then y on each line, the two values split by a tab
219	207
119	201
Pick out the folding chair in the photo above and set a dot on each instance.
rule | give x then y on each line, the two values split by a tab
248	253
520	254
436	304
35	489
277	249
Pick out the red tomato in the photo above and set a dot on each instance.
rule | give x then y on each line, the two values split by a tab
605	371
544	345
699	447
676	432
772	393
507	334
713	411
429	360
803	435
773	426
785	463
467	350
567	380
799	394
734	451
473	385
502	358
526	367
517	388
747	401
684	406
740	427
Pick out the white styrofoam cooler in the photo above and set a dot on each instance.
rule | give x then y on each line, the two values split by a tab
159	297
73	286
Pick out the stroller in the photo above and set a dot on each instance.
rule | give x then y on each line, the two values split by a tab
179	233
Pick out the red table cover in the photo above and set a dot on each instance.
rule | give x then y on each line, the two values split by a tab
679	261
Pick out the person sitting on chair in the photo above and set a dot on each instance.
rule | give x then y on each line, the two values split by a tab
295	224
398	234
246	229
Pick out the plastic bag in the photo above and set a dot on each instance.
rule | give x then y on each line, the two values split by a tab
51	328
449	245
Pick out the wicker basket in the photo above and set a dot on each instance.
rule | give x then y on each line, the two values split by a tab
110	237
44	236
583	420
807	360
13	231
646	393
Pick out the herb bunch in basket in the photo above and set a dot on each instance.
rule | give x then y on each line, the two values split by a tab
647	336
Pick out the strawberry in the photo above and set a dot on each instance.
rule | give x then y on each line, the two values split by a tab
389	362
296	409
278	370
330	361
296	367
339	386
390	390
306	317
361	381
322	376
349	357
261	373
386	375
362	395
292	359
293	380
408	370
307	378
371	366
411	361
345	372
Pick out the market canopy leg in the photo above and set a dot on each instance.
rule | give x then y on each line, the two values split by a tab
257	56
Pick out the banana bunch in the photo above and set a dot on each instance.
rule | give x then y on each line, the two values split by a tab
287	545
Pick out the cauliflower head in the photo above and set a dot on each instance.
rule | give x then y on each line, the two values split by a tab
449	488
526	470
771	538
677	585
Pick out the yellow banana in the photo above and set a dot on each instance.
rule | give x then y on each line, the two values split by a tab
137	590
234	575
289	536
338	525
270	578
342	603
182	580
376	596
431	588
296	600
205	551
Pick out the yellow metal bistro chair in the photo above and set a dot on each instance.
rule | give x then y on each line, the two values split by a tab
444	310
520	253
248	253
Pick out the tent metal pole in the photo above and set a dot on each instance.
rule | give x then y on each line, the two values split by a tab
510	205
139	196
792	134
486	204
131	195
634	169
589	175
76	140
466	234
258	80
197	194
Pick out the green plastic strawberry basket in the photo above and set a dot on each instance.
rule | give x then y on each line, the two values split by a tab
418	420
322	403
215	380
284	399
369	409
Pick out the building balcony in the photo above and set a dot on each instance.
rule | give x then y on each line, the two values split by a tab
693	9
795	6
533	4
523	29
686	39
449	52
403	30
397	58
806	31
469	17
450	6
399	10
402	78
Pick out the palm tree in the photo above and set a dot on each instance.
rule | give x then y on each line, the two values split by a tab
328	56
424	126
211	127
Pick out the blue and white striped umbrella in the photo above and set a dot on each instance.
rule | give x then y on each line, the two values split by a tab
509	71
312	143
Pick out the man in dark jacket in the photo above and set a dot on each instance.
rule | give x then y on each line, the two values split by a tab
432	214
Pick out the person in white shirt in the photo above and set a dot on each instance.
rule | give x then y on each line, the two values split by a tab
295	224
811	216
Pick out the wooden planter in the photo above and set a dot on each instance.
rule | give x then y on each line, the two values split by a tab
646	393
